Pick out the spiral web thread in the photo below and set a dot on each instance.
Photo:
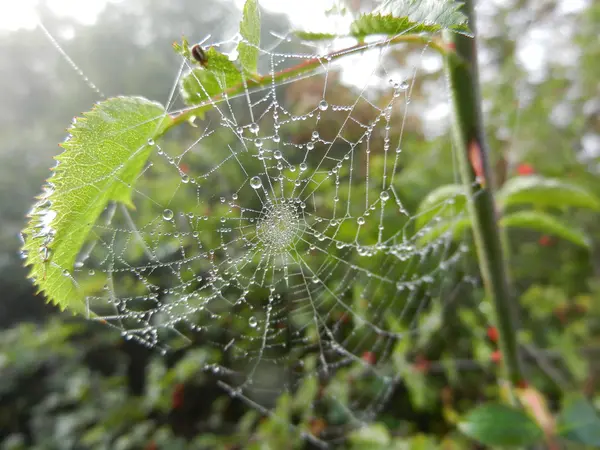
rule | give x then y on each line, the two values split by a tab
279	238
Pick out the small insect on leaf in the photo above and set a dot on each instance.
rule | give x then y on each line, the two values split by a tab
199	55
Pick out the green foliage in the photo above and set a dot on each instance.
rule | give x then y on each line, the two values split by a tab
445	201
103	156
500	426
309	36
390	25
250	32
443	14
76	403
579	421
547	224
536	191
397	17
545	192
201	85
375	436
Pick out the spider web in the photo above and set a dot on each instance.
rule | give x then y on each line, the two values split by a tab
275	233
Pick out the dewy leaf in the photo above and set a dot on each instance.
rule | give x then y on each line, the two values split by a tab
104	154
545	223
444	201
250	31
500	425
219	75
377	24
456	228
412	16
541	191
579	422
311	36
370	437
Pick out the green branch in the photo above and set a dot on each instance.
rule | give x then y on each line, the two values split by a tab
309	65
469	139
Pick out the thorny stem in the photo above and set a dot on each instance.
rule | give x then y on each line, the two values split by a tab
469	139
306	66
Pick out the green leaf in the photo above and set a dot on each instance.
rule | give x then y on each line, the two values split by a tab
250	31
304	397
183	49
445	13
579	422
541	191
373	436
457	227
545	223
104	154
445	201
411	16
202	84
309	36
495	424
368	24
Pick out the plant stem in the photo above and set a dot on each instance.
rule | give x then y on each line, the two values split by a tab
469	139
299	69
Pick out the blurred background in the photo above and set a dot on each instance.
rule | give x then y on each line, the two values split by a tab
68	383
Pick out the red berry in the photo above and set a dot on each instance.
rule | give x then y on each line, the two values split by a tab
561	314
525	169
546	241
496	356
492	333
317	426
369	357
177	396
422	364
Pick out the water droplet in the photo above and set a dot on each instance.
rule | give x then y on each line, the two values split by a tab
276	138
151	142
252	322
258	143
303	167
168	214
323	105
277	154
360	220
185	179
315	135
384	196
403	86
255	182
254	128
310	146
